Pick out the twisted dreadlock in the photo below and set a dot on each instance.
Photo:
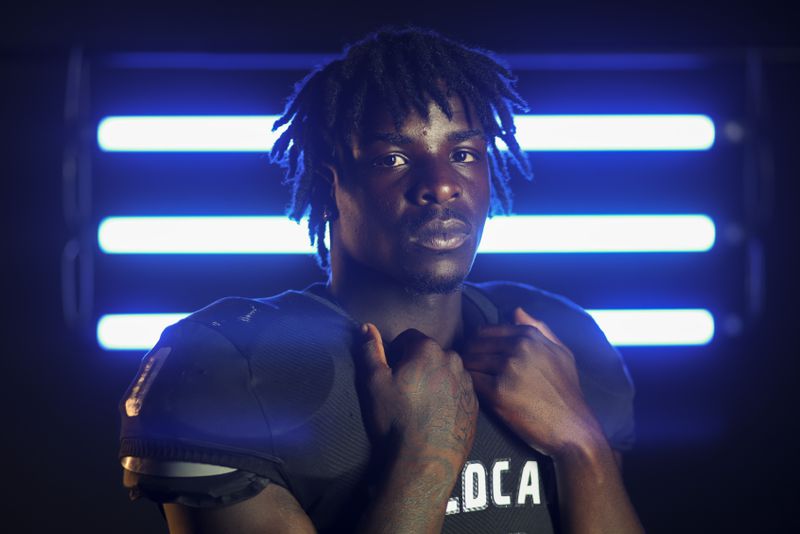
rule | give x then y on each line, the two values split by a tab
403	69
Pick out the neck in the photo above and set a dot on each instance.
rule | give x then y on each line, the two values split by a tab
369	296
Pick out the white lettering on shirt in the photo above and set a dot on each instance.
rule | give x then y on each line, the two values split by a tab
498	499
529	483
473	487
452	506
479	486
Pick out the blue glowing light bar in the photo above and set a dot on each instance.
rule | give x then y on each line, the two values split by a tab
214	133
254	133
648	327
656	327
133	331
598	233
203	235
513	234
614	132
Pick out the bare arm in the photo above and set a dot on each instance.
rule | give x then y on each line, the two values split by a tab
424	408
273	511
411	498
422	411
591	491
528	378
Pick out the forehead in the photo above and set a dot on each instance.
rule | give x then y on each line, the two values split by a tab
378	120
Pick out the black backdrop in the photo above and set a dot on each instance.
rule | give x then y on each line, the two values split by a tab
59	421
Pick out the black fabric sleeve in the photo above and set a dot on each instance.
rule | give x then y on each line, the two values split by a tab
192	401
196	492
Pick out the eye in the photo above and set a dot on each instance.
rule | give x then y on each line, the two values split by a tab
392	160
464	156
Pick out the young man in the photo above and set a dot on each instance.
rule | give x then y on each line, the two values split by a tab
396	397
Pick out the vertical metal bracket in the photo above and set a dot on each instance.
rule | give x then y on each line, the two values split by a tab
758	182
77	258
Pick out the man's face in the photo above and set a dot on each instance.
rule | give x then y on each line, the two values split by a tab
413	204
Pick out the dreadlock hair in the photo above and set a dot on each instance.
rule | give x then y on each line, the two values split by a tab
403	69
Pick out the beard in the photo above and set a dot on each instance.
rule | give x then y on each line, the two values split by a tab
429	283
419	280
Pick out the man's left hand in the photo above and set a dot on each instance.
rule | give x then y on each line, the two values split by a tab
528	378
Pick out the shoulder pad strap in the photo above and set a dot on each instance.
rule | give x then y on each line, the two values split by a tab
482	301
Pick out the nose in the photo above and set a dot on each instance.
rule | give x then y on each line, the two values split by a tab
436	185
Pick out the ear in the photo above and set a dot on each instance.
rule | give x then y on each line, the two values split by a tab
329	172
329	175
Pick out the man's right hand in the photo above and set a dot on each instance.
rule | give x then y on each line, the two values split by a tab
422	408
424	401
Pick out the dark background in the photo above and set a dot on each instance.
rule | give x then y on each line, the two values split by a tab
59	392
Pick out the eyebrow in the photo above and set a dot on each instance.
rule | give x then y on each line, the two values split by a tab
389	137
464	135
400	139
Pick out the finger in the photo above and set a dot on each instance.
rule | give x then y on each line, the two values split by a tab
495	345
484	384
483	362
508	330
410	336
497	330
372	348
411	342
522	317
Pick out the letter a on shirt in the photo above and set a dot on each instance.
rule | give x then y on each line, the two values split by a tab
529	483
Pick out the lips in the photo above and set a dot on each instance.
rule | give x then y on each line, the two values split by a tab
442	234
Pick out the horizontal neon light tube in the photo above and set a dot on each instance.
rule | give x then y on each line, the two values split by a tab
655	327
598	233
513	234
133	331
534	133
614	132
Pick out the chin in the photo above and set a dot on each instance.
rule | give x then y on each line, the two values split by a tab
433	283
429	273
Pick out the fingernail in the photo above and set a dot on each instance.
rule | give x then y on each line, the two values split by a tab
365	329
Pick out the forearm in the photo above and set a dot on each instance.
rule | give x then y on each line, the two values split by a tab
591	492
412	496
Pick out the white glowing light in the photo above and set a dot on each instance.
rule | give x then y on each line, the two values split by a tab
133	331
253	133
614	132
598	233
656	327
512	234
216	133
648	327
203	235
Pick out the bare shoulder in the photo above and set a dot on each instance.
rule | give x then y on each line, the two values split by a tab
272	511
